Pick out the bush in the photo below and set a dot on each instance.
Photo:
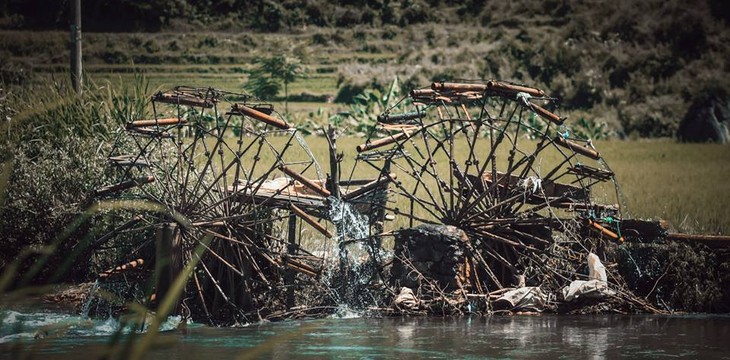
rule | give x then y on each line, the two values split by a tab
53	155
678	276
347	92
47	188
658	116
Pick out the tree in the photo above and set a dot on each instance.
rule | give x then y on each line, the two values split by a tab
270	73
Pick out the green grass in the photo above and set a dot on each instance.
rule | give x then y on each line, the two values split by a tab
685	184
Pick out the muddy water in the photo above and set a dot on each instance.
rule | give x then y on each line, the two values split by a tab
502	337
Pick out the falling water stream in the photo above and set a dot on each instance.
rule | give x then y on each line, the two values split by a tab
355	268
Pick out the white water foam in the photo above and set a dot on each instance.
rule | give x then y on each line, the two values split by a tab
19	326
345	312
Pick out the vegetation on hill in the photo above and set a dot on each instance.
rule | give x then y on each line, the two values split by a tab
634	67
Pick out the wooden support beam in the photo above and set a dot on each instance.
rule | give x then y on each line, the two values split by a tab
311	221
308	183
168	260
383	180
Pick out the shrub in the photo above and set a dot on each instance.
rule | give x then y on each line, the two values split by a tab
47	188
657	116
53	155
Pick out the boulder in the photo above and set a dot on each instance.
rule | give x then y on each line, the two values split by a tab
436	252
708	118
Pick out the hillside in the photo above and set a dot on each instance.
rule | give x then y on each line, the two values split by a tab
633	66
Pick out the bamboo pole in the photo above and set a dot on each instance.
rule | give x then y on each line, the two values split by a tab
311	221
124	185
577	148
239	109
598	227
504	87
308	183
156	122
380	142
458	87
182	99
547	115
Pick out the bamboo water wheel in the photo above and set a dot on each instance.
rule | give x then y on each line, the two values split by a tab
222	172
492	160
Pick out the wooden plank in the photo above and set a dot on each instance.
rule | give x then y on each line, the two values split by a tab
709	240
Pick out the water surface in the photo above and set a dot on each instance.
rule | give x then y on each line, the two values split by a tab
496	337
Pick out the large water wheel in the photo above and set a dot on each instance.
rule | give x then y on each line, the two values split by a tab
492	160
224	172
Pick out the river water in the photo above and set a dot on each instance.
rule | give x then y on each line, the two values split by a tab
70	336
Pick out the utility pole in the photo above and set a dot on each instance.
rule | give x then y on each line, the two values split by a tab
76	47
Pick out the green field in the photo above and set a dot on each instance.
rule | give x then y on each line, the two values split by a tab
685	184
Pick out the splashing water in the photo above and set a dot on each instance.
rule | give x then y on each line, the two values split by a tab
351	280
29	325
89	298
351	225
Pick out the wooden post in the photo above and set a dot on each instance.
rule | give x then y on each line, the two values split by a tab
76	47
291	250
334	185
168	260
